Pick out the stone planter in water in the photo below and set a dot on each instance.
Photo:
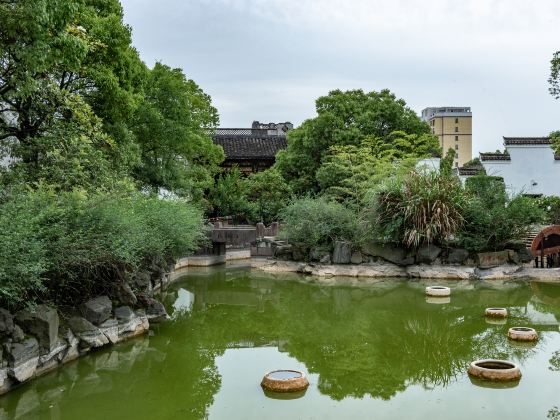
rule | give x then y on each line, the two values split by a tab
523	334
494	370
496	312
438	291
284	381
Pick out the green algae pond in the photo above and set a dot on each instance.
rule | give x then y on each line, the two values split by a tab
371	350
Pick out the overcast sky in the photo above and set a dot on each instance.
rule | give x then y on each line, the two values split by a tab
268	60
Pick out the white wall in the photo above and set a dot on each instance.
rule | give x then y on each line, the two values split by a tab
531	170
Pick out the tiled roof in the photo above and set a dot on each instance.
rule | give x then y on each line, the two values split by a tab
250	146
472	170
494	156
510	141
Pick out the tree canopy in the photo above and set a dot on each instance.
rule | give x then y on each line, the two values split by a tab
347	119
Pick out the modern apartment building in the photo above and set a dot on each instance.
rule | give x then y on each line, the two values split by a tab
453	127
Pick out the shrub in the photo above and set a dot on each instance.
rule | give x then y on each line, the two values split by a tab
550	205
491	219
423	207
311	222
66	247
268	193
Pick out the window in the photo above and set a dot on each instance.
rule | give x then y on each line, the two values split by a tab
456	147
456	120
456	129
456	164
433	130
456	138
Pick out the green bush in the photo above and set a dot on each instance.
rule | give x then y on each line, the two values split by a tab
66	247
310	222
423	207
268	193
550	205
491	219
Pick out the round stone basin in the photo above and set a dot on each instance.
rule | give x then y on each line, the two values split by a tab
284	380
438	291
523	334
495	370
496	312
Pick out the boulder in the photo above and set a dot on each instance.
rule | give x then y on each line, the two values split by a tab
124	313
89	334
124	294
492	259
137	325
298	253
17	334
525	255
42	322
326	259
342	252
512	256
457	256
356	257
283	252
97	310
111	330
155	311
316	253
22	359
389	253
6	322
427	254
143	281
50	360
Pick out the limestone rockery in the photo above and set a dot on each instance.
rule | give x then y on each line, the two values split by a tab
35	341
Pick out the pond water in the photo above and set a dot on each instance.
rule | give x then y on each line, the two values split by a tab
380	350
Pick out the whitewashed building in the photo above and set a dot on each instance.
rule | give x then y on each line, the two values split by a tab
528	166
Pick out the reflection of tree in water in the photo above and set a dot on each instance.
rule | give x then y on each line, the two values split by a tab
553	413
555	361
360	341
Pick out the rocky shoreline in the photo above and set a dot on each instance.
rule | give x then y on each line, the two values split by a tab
37	341
420	271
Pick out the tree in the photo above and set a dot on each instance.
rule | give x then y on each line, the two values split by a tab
554	79
268	193
172	125
345	119
228	196
555	137
49	49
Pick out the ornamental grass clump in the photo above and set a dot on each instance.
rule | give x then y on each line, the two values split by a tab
422	207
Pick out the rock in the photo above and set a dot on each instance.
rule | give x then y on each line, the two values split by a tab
512	256
17	334
88	333
137	325
72	352
124	313
492	259
342	252
3	377
389	253
326	259
142	280
525	255
111	330
125	294
356	257
427	253
155	310
457	256
283	252
22	359
50	360
97	310
441	272
42	322
6	322
298	254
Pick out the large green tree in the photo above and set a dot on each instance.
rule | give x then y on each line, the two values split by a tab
50	49
172	126
554	79
345	119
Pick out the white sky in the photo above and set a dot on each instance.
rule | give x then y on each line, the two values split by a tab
268	60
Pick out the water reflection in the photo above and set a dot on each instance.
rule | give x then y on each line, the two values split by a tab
373	340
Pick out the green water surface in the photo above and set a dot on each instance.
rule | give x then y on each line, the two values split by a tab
378	350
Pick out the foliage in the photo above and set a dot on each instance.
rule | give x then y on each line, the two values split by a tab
550	206
346	119
317	222
172	126
228	196
491	219
65	247
423	207
473	163
555	137
348	172
268	193
446	163
554	79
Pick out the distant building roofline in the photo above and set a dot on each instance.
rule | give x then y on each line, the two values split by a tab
521	141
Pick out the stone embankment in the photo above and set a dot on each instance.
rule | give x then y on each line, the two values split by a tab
38	340
421	271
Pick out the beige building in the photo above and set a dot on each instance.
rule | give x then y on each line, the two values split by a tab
453	127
